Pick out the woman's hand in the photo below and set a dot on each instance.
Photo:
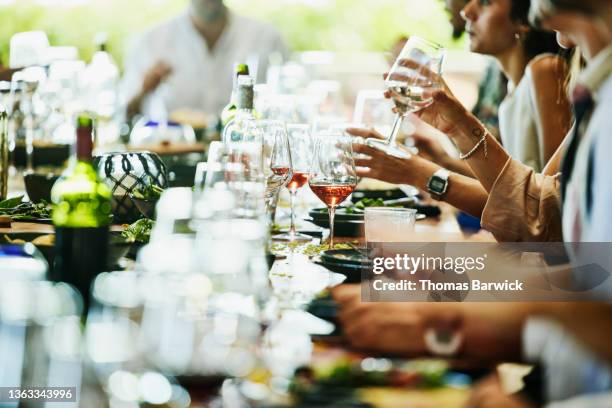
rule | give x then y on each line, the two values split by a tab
378	165
391	327
489	394
430	148
385	327
445	112
381	166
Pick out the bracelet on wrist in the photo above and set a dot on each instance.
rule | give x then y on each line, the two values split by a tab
482	135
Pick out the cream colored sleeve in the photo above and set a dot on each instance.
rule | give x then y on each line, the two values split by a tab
523	206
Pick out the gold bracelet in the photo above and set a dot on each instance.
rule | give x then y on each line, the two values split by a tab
483	141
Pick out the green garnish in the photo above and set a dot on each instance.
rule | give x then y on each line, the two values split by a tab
309	250
140	231
362	204
24	211
149	193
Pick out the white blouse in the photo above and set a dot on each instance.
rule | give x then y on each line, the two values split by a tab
201	79
520	126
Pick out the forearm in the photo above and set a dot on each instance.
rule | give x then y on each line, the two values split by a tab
464	193
458	166
493	331
486	164
134	106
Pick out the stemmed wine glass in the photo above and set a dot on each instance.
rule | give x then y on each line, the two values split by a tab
300	144
277	165
332	174
411	81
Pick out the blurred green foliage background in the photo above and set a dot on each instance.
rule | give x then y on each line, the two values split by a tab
341	25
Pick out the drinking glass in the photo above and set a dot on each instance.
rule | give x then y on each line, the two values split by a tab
300	145
384	224
277	165
332	173
374	110
411	80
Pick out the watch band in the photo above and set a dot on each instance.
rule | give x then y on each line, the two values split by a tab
441	175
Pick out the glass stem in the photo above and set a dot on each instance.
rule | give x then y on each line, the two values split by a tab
332	213
397	125
291	201
30	146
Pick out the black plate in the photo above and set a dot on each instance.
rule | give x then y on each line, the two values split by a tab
344	256
351	271
392	194
342	228
38	186
341	215
324	308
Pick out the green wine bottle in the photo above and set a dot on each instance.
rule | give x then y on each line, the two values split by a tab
230	109
81	216
245	112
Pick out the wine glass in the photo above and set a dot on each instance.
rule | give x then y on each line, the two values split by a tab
300	145
332	174
277	165
411	80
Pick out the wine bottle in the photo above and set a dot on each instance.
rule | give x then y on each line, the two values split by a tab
244	112
81	216
229	112
4	153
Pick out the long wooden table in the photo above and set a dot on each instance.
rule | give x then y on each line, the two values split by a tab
441	229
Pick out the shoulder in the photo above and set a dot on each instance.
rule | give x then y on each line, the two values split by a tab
255	27
547	68
164	29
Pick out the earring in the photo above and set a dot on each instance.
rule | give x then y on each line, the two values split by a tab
517	36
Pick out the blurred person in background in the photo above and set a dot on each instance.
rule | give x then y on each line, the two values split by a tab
193	55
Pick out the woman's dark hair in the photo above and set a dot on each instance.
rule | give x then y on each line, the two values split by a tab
536	41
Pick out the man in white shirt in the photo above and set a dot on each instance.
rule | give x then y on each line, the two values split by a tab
193	54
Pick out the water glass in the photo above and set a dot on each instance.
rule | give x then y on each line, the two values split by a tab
388	224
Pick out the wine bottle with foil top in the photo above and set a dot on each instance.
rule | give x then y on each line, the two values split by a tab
229	112
81	216
245	112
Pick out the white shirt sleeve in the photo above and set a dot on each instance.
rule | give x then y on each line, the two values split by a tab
136	63
600	230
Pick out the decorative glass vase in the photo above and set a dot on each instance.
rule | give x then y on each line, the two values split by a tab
127	172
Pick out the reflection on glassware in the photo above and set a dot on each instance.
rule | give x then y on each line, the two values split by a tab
263	148
384	224
301	146
332	173
112	323
40	334
411	80
373	109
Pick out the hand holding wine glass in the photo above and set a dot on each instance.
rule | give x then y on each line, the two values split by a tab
332	173
410	83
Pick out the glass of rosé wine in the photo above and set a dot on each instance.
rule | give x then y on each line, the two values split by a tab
332	172
301	146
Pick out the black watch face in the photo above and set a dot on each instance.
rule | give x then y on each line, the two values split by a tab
437	184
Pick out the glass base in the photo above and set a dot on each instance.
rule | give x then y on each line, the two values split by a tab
392	150
296	237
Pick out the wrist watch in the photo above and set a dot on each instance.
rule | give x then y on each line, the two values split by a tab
438	184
